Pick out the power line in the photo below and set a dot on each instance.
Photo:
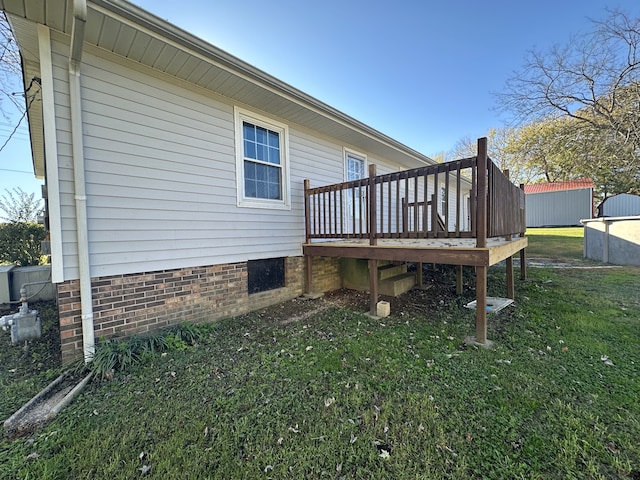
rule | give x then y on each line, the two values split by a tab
14	131
15	171
37	81
18	134
7	124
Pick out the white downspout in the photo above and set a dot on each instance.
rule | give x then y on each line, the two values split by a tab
75	103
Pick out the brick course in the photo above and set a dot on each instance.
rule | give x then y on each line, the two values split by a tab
130	304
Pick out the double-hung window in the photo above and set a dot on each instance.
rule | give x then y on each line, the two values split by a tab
261	161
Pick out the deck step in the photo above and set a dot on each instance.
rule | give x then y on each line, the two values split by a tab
397	285
390	270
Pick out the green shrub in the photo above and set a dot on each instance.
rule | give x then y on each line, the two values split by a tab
187	332
114	355
20	243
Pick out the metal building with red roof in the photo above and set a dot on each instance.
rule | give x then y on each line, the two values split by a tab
558	204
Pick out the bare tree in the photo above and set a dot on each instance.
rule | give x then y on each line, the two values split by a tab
586	79
591	86
10	68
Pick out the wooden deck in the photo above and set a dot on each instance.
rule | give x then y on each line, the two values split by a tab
445	251
465	212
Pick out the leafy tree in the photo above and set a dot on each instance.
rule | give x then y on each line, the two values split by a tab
559	149
541	149
583	98
20	243
20	206
498	142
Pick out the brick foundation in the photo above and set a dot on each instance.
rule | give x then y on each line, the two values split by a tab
136	303
326	274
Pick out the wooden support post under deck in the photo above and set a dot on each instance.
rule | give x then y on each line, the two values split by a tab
373	240
419	272
523	253
459	280
481	241
373	287
481	304
511	293
510	286
307	233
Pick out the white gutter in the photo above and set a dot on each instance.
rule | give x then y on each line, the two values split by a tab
75	103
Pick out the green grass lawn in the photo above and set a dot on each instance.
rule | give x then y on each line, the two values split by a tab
556	243
23	375
342	395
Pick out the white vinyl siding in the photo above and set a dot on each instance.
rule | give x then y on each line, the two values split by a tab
160	162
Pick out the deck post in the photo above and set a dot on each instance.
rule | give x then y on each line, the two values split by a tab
481	241
307	211
481	200
373	240
511	292
459	280
419	272
373	207
481	304
523	253
307	238
373	287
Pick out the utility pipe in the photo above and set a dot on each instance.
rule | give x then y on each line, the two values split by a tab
75	103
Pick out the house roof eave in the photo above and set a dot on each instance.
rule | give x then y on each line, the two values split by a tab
246	84
151	22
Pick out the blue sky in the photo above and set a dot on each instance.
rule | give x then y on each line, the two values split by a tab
421	71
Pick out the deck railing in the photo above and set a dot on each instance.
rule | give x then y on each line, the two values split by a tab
505	204
447	200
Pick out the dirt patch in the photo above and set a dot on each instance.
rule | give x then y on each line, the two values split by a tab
439	290
562	263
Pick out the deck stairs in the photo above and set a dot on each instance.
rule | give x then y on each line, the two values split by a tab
393	277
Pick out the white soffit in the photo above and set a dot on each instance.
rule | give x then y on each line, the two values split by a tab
128	31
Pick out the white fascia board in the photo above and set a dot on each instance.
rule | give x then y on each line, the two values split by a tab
51	154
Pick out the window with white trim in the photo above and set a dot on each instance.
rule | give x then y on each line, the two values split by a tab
355	165
261	161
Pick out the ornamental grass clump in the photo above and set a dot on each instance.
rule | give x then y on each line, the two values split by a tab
118	355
